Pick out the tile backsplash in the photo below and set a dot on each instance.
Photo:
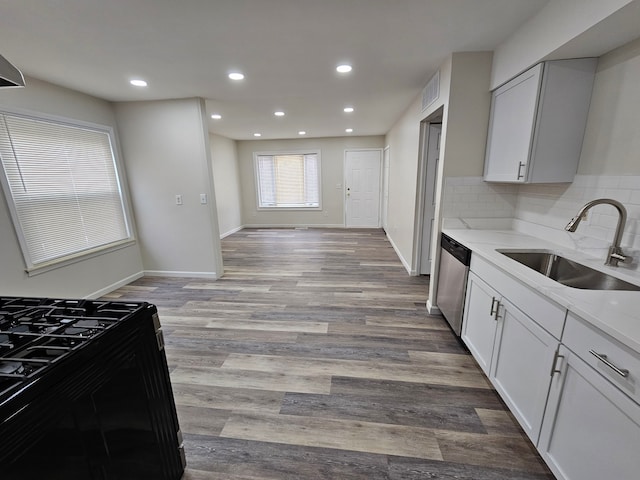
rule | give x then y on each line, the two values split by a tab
543	210
472	197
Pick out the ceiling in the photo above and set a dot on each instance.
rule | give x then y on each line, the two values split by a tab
287	49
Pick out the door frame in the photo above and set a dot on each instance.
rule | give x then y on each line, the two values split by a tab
386	169
433	132
344	183
421	191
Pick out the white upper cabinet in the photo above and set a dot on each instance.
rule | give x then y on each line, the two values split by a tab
537	123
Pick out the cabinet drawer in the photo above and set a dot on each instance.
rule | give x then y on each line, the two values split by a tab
616	362
546	313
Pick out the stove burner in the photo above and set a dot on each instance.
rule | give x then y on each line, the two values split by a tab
18	328
36	333
8	367
84	328
80	332
89	323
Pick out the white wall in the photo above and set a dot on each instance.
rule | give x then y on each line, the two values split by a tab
612	138
86	278
226	177
404	142
167	153
468	114
556	25
464	101
332	159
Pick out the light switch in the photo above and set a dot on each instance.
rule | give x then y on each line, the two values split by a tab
338	186
203	199
178	199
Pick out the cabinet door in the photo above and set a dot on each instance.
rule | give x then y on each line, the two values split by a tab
591	430
511	127
521	367
479	325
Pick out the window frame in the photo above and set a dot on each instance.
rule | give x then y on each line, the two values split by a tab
35	269
310	151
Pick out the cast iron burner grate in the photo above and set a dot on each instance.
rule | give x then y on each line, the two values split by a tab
36	333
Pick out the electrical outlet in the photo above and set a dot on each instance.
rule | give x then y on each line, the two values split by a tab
178	199
203	199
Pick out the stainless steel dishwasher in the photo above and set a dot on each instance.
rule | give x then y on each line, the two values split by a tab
452	281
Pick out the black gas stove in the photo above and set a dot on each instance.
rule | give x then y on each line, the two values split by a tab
37	333
85	392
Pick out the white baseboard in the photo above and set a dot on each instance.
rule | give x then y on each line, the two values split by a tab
115	286
181	274
405	264
433	309
293	225
231	232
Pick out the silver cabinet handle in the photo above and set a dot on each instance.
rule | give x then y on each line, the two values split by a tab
494	311
603	358
493	303
520	175
554	364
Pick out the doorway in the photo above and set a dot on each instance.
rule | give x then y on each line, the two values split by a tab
362	187
430	139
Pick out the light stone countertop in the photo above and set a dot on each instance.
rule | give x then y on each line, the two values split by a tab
616	313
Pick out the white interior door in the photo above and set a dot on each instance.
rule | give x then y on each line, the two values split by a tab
385	186
433	155
362	188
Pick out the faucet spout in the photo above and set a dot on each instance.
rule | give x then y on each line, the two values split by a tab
615	254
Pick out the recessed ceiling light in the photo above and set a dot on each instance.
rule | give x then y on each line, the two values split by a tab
344	68
138	83
236	76
278	114
349	130
302	132
348	109
216	116
257	134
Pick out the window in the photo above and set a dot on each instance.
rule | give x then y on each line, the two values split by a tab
62	187
288	180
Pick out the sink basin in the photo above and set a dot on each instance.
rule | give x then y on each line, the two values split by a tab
568	272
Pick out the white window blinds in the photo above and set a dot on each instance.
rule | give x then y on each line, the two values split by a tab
288	180
62	186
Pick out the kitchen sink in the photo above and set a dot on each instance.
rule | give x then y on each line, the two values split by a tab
567	272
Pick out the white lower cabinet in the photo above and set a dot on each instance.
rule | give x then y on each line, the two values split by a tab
479	325
574	390
591	430
521	368
512	350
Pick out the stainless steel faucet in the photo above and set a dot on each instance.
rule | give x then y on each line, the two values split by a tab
615	254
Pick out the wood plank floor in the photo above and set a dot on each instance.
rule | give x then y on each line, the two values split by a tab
313	358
